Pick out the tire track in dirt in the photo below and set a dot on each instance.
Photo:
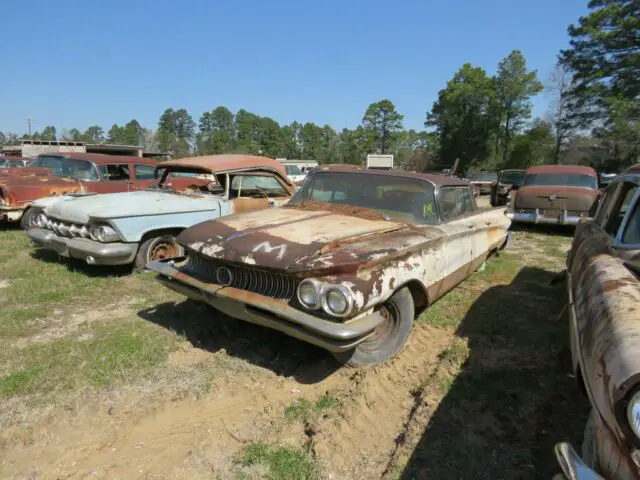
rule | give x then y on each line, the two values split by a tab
357	440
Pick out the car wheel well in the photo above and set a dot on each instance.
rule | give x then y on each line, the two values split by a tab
160	232
419	295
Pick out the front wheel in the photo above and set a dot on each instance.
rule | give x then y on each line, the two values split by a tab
25	221
389	337
157	248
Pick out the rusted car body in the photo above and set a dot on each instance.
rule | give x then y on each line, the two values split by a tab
58	174
603	283
508	181
346	263
142	225
13	162
483	181
555	194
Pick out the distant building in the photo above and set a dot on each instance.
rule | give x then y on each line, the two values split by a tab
33	148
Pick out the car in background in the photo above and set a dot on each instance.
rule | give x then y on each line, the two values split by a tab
555	194
605	179
56	174
508	181
14	162
603	285
141	226
347	263
295	174
483	181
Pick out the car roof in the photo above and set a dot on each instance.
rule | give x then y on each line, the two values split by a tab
101	158
632	169
578	169
228	162
433	178
513	170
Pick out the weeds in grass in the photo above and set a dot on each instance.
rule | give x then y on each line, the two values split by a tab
281	463
302	409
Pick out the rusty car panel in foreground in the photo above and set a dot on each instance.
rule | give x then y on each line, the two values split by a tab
138	227
603	280
555	194
353	248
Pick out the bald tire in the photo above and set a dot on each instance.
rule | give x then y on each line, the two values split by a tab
372	351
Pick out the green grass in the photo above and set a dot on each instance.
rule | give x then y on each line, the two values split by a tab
114	354
281	463
302	409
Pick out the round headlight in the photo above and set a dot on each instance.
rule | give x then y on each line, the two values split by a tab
309	294
103	233
633	414
39	220
337	300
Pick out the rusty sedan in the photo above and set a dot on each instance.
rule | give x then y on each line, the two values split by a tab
56	174
347	263
603	283
555	194
508	182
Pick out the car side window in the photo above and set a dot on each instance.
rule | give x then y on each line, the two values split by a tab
115	173
144	172
455	201
620	208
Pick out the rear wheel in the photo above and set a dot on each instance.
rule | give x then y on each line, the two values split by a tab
157	248
389	338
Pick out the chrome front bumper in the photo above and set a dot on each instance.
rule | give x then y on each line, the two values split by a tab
94	253
572	465
536	217
334	336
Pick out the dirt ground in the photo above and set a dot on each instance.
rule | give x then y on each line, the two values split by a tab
124	379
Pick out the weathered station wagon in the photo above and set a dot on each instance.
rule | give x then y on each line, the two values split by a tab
137	227
347	263
64	173
603	282
555	194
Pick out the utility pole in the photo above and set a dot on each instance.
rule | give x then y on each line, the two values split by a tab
29	120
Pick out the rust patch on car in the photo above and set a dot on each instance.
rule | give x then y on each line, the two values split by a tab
350	210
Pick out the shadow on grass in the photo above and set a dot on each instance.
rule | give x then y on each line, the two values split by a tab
512	398
211	330
549	230
76	265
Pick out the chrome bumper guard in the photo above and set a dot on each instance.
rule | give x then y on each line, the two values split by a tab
536	217
334	336
572	465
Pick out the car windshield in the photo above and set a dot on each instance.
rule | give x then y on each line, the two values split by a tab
292	170
408	199
67	167
485	177
560	179
512	178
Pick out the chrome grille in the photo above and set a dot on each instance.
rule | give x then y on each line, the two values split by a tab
67	229
274	285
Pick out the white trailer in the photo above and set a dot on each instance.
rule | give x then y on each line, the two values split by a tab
380	162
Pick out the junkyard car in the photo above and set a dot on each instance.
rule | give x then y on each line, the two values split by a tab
64	173
137	227
347	263
14	162
508	182
603	282
483	181
555	194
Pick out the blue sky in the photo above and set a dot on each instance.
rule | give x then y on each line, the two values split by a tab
78	63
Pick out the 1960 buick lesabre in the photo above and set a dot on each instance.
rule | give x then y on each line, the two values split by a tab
347	263
137	227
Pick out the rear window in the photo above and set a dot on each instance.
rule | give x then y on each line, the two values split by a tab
401	198
560	179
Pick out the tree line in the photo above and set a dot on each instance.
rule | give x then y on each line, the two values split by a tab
483	120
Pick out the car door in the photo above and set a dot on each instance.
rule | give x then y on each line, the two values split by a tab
144	177
457	214
115	178
255	191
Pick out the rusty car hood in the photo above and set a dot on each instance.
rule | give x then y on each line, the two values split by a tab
21	189
298	240
578	199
